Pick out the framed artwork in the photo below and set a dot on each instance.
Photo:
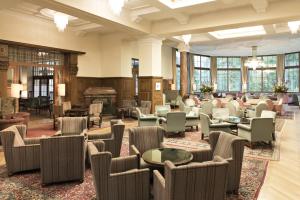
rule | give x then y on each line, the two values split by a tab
157	86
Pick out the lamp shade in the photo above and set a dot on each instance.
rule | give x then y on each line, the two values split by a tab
24	94
194	87
15	90
62	90
173	87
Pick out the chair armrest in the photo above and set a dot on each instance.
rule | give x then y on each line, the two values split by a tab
245	127
22	130
134	151
58	133
202	155
158	186
162	119
122	164
29	141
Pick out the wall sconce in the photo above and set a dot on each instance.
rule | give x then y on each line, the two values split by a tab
62	90
173	87
15	90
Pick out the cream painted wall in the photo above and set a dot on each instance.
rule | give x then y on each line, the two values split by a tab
166	62
26	29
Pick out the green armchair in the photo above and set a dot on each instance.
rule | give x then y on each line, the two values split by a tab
146	120
174	122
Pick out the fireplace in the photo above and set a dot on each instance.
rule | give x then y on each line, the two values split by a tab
107	95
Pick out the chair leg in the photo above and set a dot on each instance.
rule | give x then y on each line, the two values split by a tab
197	128
202	136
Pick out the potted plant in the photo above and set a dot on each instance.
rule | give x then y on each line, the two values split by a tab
280	90
206	90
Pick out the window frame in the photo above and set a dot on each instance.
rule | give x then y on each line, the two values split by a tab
292	67
201	68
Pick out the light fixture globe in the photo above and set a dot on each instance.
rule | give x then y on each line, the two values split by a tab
254	62
116	6
61	20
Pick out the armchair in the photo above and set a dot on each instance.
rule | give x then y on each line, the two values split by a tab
117	178
193	118
234	108
184	108
145	108
258	109
113	141
95	113
142	139
128	105
208	125
228	147
62	159
20	153
259	130
174	122
270	114
146	120
162	110
207	107
72	125
194	181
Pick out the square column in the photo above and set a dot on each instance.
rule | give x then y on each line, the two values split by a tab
183	49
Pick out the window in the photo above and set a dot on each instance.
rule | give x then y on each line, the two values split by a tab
43	84
201	70
263	78
291	72
229	74
177	70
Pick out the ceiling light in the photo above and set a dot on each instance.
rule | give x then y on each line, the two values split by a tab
173	4
117	5
239	32
186	38
254	62
294	26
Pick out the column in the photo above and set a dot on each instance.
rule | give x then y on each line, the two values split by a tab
4	63
70	79
280	69
183	49
150	77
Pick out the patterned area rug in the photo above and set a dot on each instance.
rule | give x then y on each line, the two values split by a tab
287	115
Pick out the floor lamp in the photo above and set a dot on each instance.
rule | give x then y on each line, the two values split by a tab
15	92
61	92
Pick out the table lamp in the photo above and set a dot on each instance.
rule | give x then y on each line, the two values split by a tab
15	92
61	92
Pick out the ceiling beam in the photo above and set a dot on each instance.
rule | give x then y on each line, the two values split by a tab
260	6
279	11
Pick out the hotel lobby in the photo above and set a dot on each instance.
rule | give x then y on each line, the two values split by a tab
149	99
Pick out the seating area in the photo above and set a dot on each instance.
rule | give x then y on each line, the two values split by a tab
149	99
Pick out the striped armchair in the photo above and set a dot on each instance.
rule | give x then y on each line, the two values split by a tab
62	159
21	154
229	147
95	114
117	178
72	125
144	138
113	141
194	181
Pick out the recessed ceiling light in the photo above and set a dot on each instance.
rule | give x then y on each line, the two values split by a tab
173	4
239	32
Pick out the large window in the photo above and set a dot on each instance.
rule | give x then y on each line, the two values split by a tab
201	70
229	74
291	74
177	70
263	78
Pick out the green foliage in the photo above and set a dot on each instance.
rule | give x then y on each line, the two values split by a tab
280	89
206	88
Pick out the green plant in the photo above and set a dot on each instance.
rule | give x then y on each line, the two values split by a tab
280	89
206	88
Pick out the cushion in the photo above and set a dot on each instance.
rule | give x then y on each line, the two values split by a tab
18	140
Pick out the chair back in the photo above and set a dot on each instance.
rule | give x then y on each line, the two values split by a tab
176	121
220	113
146	106
270	104
96	109
190	102
72	125
196	180
205	122
260	107
268	114
117	133
145	138
207	107
262	126
66	106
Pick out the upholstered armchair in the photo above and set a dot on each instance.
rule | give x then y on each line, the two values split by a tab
20	153
193	118
62	159
162	110
117	178
145	109
234	108
278	107
175	102
72	125
206	180
129	106
95	113
220	113
217	103
146	120
229	147
142	139
174	122
208	125
113	141
207	107
270	114
184	108
259	130
256	112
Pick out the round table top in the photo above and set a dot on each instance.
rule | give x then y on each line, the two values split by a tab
160	155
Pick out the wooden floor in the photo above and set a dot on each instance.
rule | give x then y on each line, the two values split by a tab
283	176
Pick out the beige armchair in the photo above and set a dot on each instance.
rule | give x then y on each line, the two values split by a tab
229	147
20	153
95	113
174	122
270	114
234	108
208	125
145	108
162	110
146	120
259	130
113	141
256	112
62	159
194	181
117	178
72	125
142	139
207	107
